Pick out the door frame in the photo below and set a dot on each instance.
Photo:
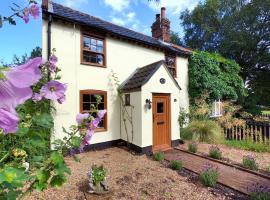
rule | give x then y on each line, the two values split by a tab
169	119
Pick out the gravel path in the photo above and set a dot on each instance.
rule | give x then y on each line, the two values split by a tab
235	155
130	177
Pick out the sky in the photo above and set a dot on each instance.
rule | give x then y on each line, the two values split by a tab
137	15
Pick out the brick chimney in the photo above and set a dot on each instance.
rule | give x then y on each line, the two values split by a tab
161	27
45	4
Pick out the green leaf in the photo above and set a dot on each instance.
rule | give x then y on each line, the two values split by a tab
40	186
58	181
61	169
57	158
22	131
44	120
43	176
76	141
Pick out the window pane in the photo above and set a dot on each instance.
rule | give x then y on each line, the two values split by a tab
86	106
93	98
86	42
100	49
160	107
93	42
101	106
100	59
100	43
93	48
86	98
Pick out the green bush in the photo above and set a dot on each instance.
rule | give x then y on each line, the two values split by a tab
215	152
248	145
205	131
159	156
192	147
98	174
176	165
209	176
249	162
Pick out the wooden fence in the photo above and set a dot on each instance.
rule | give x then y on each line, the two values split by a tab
256	131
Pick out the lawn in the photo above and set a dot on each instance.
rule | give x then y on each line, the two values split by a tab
130	177
266	112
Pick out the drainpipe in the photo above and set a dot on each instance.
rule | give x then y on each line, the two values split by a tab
49	41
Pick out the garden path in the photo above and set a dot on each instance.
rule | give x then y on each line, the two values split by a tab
229	176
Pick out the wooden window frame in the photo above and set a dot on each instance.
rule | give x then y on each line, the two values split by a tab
175	63
97	37
96	92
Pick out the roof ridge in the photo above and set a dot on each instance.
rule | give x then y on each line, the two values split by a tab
86	14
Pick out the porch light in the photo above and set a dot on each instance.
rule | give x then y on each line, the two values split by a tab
148	103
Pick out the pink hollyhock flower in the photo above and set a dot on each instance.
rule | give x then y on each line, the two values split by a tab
86	140
61	99
53	90
15	89
101	114
26	15
81	117
53	60
8	120
36	97
34	11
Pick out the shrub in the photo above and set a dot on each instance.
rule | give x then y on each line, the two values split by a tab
205	131
98	174
249	162
183	117
159	156
215	152
192	147
259	192
176	165
248	145
209	176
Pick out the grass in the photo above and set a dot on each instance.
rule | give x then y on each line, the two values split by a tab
248	145
159	156
176	165
192	147
266	112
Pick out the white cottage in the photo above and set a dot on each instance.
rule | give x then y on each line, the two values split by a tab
153	75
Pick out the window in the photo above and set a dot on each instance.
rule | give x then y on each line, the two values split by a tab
88	100
93	50
127	99
160	107
171	62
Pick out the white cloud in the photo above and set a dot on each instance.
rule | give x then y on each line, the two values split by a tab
117	5
173	6
131	15
118	21
74	3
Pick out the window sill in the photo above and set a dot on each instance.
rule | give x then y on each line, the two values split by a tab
93	64
100	130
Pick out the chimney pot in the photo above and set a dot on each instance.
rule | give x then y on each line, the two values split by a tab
163	12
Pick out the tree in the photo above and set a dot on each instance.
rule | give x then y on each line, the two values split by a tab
219	77
175	38
237	29
36	52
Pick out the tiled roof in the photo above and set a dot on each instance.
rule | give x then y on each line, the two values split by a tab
141	76
69	14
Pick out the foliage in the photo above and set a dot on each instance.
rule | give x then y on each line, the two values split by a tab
159	156
249	162
228	119
183	117
238	30
200	108
218	76
209	176
248	145
36	52
185	134
193	147
259	192
98	174
176	165
215	152
205	131
175	38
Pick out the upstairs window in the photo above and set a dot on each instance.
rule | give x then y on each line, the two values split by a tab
171	62
89	101
93	50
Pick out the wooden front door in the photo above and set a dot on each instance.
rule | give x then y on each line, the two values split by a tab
161	122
